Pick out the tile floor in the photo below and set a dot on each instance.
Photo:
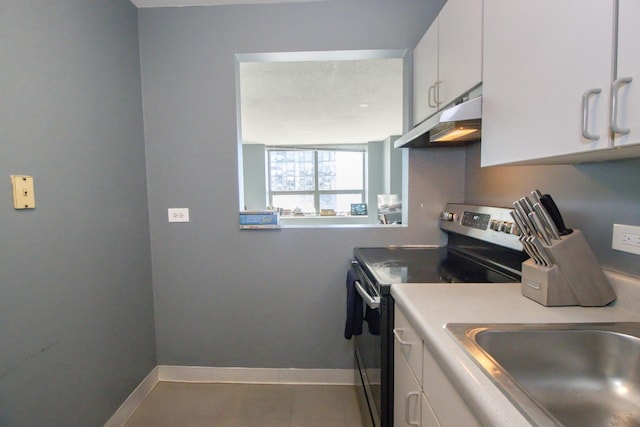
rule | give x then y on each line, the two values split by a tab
265	405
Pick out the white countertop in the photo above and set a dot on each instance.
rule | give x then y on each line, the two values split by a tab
430	307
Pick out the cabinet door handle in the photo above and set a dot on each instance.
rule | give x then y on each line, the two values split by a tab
407	408
615	88
432	90
396	333
585	114
437	92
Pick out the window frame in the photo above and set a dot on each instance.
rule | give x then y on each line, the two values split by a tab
316	192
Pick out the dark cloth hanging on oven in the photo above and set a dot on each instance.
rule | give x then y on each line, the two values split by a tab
355	316
372	318
353	325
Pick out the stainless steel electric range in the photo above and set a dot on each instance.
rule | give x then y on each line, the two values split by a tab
483	247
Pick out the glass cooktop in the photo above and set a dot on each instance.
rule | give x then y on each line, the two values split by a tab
405	264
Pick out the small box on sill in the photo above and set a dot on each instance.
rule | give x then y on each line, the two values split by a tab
259	219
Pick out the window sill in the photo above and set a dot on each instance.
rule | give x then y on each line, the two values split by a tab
320	225
297	217
349	221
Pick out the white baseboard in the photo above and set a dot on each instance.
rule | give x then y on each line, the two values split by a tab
134	400
256	375
204	374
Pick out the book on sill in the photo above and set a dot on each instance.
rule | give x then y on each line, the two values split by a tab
259	218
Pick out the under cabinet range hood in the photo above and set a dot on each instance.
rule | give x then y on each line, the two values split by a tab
457	125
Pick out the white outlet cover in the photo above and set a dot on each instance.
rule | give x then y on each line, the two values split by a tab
178	214
626	238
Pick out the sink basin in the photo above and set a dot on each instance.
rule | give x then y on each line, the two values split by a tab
583	374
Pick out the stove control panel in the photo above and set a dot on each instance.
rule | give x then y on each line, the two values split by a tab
488	223
475	220
508	227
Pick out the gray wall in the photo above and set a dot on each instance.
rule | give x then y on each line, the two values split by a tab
75	275
254	164
393	167
226	297
591	196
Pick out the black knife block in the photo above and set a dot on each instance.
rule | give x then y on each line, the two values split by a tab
575	278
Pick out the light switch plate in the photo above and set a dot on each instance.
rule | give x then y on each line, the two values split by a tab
23	194
178	214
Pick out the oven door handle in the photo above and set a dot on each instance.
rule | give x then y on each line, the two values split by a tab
372	302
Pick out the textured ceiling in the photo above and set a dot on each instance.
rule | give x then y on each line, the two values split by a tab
321	102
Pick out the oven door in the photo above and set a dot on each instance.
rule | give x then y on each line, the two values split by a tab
368	350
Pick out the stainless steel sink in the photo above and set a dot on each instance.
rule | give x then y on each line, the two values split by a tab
583	374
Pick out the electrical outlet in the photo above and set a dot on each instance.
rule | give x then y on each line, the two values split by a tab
178	214
23	194
626	238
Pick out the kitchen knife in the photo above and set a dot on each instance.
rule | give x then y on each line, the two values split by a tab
542	252
526	203
523	214
536	194
554	214
542	232
519	223
523	238
546	221
531	250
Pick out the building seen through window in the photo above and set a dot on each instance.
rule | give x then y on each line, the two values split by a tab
309	181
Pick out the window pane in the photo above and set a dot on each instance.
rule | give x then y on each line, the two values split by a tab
291	202
341	203
340	170
292	170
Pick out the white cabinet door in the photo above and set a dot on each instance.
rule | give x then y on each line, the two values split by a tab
460	48
429	419
447	62
449	407
409	343
541	59
628	94
425	75
407	393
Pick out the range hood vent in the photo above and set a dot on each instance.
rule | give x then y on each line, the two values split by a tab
457	125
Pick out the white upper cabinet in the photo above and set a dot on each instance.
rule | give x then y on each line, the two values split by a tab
549	92
425	75
627	86
460	48
546	78
447	61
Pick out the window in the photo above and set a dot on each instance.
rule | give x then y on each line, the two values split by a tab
316	132
308	181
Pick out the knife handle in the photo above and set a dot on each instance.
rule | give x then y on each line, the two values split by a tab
536	194
554	213
523	214
547	221
542	232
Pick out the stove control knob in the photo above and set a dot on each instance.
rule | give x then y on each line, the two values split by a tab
446	216
515	230
495	225
507	227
